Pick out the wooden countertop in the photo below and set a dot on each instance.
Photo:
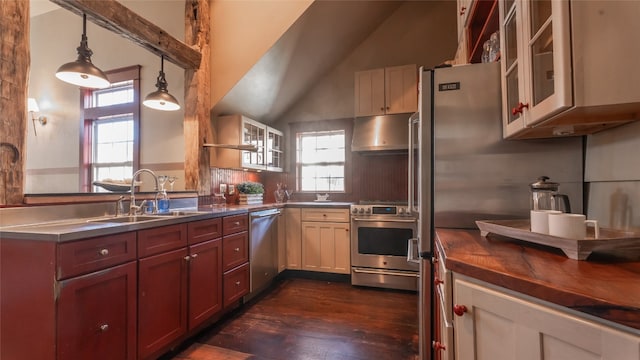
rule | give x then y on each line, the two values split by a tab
606	286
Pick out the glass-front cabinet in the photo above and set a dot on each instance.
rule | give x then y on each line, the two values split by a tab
239	130
253	133
536	61
567	67
275	149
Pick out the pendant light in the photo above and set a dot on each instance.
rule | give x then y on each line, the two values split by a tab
161	99
82	72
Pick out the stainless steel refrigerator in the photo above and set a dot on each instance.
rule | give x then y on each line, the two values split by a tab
461	169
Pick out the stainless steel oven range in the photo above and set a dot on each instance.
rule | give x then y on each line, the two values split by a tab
380	236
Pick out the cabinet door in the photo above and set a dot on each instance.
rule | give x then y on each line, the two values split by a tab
162	297
512	67
547	47
497	325
97	315
293	236
254	133
369	92
275	150
325	247
205	281
282	242
536	64
401	89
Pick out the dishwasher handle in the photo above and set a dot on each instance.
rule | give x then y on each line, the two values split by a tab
263	214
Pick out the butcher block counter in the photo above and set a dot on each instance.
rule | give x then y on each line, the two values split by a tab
606	286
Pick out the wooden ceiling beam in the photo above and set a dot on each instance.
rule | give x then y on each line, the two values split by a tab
113	16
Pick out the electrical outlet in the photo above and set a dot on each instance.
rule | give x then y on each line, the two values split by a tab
223	188
232	189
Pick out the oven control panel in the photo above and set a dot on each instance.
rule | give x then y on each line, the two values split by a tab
381	210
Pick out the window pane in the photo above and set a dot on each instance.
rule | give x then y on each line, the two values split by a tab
321	158
118	93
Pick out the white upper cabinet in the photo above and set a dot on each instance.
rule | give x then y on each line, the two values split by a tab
391	90
566	67
241	130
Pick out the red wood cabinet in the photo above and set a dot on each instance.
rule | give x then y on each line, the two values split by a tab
235	259
235	223
236	250
236	284
162	297
96	315
205	281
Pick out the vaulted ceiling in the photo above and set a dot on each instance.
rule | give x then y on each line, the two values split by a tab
326	33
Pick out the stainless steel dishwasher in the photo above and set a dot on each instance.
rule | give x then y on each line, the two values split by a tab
263	250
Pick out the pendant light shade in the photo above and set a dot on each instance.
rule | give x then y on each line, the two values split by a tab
82	72
161	99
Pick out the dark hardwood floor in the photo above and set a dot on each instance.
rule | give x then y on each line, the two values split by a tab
302	319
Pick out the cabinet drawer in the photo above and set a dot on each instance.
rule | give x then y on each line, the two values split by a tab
84	256
236	284
235	250
161	239
442	281
234	224
332	215
203	230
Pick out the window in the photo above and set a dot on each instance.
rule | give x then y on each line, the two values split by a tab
111	121
320	161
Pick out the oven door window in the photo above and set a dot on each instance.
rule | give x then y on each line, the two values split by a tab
383	241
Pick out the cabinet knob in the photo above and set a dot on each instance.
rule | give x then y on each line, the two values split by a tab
236	249
237	223
518	109
437	281
463	10
459	309
194	255
382	109
187	258
438	346
104	252
104	327
237	283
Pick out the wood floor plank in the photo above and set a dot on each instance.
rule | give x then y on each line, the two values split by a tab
304	319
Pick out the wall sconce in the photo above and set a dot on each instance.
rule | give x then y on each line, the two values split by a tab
161	99
82	72
32	107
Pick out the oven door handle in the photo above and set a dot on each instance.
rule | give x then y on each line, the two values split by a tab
386	272
386	220
412	251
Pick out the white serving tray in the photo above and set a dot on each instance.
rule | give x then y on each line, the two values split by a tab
577	249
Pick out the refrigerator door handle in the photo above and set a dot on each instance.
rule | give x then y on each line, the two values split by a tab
413	255
413	121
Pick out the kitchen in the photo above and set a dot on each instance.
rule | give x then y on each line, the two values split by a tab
601	182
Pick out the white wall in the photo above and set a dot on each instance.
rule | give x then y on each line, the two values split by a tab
419	32
52	158
241	32
612	171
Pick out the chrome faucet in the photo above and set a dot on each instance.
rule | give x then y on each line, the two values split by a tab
119	206
133	209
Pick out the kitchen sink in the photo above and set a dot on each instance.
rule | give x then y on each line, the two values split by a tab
128	219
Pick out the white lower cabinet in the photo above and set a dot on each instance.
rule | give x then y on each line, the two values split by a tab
293	238
496	325
326	243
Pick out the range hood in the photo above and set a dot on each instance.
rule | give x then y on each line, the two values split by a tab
383	134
